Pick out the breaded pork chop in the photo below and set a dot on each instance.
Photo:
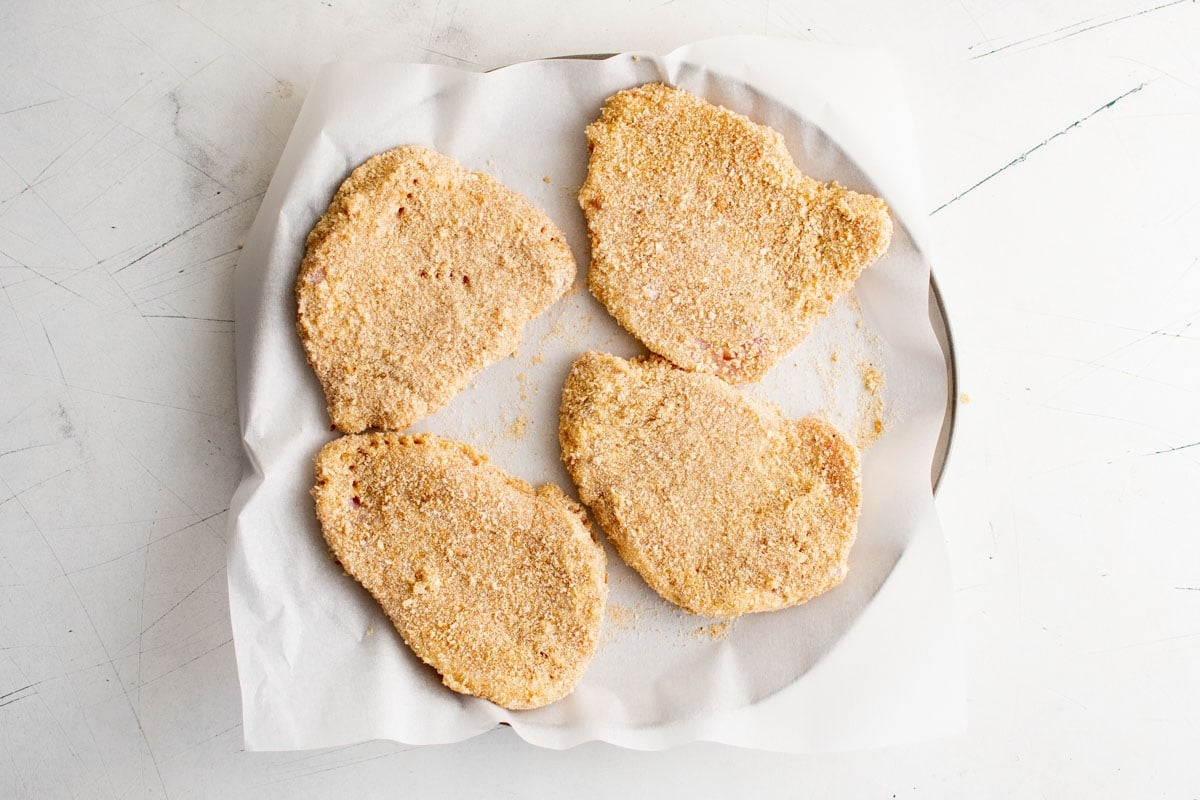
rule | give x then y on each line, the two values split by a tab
420	275
720	503
708	243
498	586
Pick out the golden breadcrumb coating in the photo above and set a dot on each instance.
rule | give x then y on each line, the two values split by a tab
719	502
418	276
708	244
498	586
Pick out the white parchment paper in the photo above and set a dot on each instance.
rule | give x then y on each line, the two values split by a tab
874	662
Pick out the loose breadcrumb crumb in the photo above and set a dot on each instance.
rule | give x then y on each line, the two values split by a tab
871	405
715	631
621	617
518	427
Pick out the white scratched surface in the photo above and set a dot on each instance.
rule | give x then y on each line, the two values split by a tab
1059	147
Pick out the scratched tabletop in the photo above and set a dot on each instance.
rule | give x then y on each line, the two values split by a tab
1059	148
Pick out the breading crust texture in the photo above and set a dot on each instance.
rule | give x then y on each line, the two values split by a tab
708	243
499	586
721	504
420	275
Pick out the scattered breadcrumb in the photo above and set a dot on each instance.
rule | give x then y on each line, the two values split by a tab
964	398
872	377
518	427
621	617
526	388
717	630
871	405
